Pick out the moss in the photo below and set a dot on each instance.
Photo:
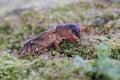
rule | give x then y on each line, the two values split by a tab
38	30
5	29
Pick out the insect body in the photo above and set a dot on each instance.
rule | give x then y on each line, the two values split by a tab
51	37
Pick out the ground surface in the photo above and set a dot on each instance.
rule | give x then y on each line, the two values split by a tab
95	57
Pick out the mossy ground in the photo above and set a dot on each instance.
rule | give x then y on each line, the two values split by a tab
94	57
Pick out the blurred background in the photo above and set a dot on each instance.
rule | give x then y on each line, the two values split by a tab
8	7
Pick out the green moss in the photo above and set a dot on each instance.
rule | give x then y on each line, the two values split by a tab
39	29
5	29
115	54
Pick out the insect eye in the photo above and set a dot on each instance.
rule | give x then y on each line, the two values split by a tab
77	33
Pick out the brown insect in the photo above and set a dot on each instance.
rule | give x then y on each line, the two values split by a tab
51	37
